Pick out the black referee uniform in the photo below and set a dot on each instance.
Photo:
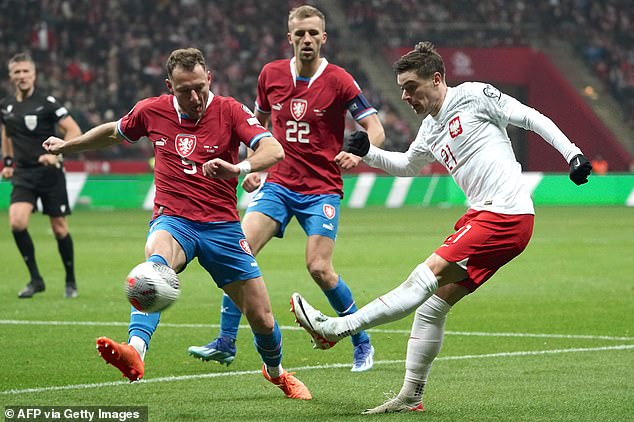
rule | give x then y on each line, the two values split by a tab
28	123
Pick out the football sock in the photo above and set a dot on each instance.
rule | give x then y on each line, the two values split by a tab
65	248
156	258
392	306
139	345
341	300
142	325
425	342
269	346
27	250
229	318
274	371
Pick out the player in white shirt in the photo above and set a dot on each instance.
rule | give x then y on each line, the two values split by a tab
464	128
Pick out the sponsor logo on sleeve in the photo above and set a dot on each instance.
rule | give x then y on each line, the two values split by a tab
247	110
185	144
455	127
492	92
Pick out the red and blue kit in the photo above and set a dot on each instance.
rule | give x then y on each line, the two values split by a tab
308	118
182	146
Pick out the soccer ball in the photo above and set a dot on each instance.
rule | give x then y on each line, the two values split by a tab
152	287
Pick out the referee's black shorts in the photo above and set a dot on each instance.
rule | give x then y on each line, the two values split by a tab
45	182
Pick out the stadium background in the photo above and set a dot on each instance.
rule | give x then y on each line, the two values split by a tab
101	57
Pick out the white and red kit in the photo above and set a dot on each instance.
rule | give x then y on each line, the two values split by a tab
308	119
468	136
182	146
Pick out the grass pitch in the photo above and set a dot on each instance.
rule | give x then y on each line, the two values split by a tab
548	338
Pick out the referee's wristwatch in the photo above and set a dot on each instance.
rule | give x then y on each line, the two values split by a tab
8	161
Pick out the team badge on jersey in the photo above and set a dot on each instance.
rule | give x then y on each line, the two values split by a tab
185	144
298	108
30	121
245	246
455	128
329	211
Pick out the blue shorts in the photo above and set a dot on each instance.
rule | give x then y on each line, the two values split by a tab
317	214
221	248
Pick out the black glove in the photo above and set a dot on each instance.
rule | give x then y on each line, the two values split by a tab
357	143
580	169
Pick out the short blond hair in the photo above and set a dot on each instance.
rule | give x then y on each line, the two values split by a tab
306	11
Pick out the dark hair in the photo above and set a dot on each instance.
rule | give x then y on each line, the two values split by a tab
21	57
187	58
423	59
303	12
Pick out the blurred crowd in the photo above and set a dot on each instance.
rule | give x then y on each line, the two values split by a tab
101	57
602	32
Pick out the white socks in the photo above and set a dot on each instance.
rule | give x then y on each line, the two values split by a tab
393	305
424	344
139	345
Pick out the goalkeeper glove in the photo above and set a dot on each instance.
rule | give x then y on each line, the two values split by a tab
357	143
580	168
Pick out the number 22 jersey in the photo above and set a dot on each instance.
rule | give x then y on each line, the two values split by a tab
308	119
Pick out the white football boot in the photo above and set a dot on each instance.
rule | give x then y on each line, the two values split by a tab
314	322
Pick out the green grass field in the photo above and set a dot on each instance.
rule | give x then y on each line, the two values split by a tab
549	338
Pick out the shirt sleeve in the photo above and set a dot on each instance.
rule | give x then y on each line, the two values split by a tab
246	126
58	110
530	119
504	110
405	164
261	101
132	126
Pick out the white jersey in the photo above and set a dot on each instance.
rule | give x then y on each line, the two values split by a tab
468	136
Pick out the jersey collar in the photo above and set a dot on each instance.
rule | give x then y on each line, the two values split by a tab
184	116
320	70
445	105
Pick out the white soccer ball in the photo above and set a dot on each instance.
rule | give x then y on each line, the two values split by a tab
152	287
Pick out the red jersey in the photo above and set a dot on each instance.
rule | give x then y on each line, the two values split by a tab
182	146
308	119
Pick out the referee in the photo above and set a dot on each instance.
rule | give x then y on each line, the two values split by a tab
28	118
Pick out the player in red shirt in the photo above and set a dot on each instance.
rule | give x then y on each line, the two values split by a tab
196	137
305	99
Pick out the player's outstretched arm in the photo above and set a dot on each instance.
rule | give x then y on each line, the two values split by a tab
404	164
375	134
531	119
98	137
266	153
